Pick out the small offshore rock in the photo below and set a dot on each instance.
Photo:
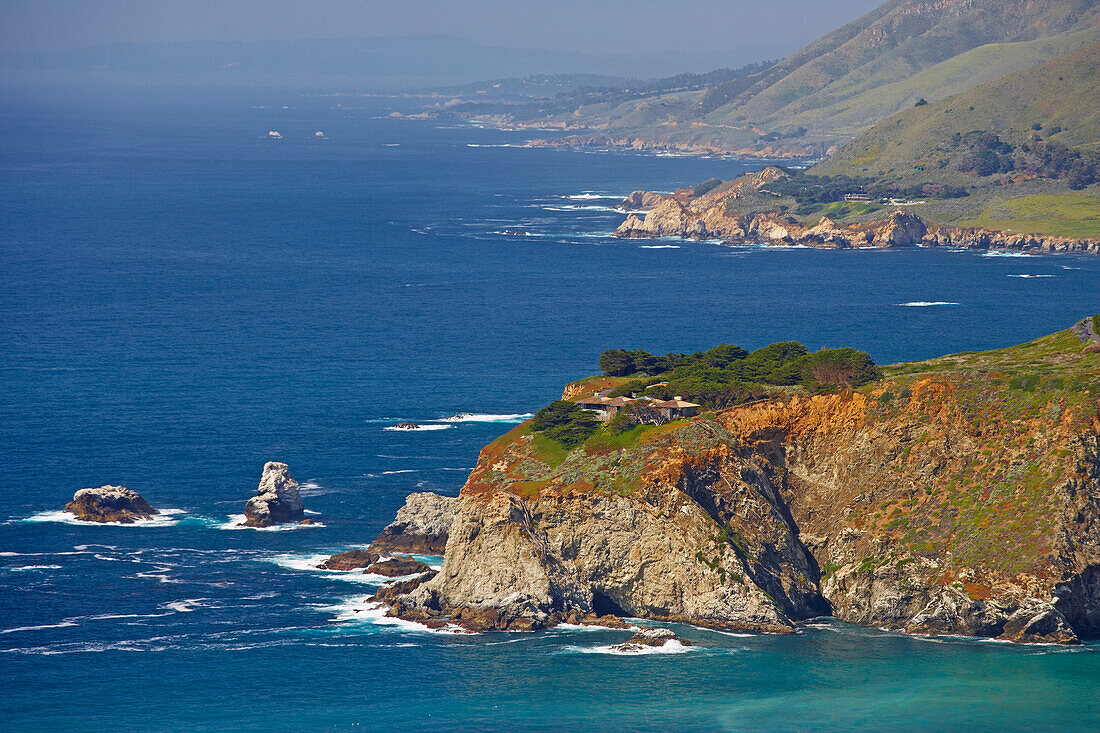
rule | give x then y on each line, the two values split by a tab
372	562
407	426
109	504
650	638
515	232
277	500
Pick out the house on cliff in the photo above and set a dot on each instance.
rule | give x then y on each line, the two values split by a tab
663	410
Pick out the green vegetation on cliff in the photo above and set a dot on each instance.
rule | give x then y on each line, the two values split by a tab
727	375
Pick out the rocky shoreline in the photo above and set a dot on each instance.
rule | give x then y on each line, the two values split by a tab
668	217
768	515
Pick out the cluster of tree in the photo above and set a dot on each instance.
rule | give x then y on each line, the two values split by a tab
728	375
818	189
565	422
984	154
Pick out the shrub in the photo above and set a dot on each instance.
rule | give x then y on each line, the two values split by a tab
706	186
838	367
565	422
921	102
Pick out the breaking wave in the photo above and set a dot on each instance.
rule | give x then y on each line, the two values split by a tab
516	417
166	518
418	428
926	303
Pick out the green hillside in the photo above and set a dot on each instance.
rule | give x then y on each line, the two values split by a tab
1056	101
841	84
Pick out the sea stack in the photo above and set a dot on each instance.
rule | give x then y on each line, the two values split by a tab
277	500
109	504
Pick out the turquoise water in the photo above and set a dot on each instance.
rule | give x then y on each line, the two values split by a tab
182	300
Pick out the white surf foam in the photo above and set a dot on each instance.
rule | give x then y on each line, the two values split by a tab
236	521
516	417
361	610
671	647
418	428
589	196
166	518
185	605
1004	253
64	624
1030	276
660	246
26	568
400	470
925	303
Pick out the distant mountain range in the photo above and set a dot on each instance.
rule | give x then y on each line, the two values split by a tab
836	87
366	64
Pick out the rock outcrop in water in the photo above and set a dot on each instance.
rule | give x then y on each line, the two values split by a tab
105	504
421	525
956	496
277	500
373	562
645	639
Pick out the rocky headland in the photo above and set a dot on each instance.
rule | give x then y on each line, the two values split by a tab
421	526
738	213
278	499
955	496
110	504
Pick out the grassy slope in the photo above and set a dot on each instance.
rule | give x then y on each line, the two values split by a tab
1061	92
862	102
850	78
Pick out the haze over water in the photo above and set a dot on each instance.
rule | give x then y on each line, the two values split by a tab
182	299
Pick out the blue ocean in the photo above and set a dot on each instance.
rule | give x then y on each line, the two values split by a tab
183	298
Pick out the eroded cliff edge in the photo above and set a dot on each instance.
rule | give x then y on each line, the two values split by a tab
955	496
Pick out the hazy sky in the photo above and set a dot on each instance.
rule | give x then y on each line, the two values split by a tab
594	26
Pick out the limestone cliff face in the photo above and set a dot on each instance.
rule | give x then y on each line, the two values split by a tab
703	537
949	498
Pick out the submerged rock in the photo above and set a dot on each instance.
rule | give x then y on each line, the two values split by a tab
109	504
277	500
422	525
650	638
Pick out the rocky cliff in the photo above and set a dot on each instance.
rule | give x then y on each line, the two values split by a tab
421	525
956	496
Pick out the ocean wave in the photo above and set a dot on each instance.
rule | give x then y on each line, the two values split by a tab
1004	253
418	428
166	518
590	196
1030	276
671	647
362	611
660	246
186	605
25	568
515	417
63	625
925	303
236	521
400	470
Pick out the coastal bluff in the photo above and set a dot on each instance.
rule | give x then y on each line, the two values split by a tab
956	496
